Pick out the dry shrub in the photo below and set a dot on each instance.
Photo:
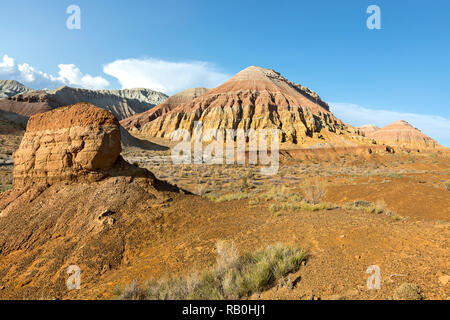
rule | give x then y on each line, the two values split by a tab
314	190
408	291
227	254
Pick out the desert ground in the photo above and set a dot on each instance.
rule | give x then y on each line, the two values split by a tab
389	210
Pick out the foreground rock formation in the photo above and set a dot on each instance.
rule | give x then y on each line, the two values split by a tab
402	134
75	201
122	103
139	120
258	98
68	143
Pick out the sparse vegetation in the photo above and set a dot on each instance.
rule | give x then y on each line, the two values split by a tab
229	197
314	191
396	217
408	291
233	277
446	185
367	206
317	207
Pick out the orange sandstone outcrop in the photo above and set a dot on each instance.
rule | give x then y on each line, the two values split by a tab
71	143
258	98
402	134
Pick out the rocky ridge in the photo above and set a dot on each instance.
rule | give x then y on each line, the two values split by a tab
122	103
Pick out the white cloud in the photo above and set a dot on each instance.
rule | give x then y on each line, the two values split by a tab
71	75
68	74
165	76
7	65
436	127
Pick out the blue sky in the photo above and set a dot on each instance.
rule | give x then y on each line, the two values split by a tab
403	69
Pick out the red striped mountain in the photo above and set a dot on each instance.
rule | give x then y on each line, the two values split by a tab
258	98
402	134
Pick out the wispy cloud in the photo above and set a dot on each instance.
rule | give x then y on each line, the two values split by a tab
435	126
68	74
168	77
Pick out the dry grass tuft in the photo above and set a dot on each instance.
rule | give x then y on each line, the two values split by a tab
314	191
233	277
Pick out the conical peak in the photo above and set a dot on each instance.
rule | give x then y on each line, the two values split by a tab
400	124
255	73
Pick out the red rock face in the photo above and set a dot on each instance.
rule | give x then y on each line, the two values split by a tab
402	134
258	98
67	144
139	120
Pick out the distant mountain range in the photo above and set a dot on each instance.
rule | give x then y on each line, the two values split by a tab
255	98
122	103
9	88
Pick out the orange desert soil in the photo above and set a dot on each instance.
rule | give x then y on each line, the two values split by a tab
342	245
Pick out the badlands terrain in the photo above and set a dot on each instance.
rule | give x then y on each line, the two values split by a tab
93	185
